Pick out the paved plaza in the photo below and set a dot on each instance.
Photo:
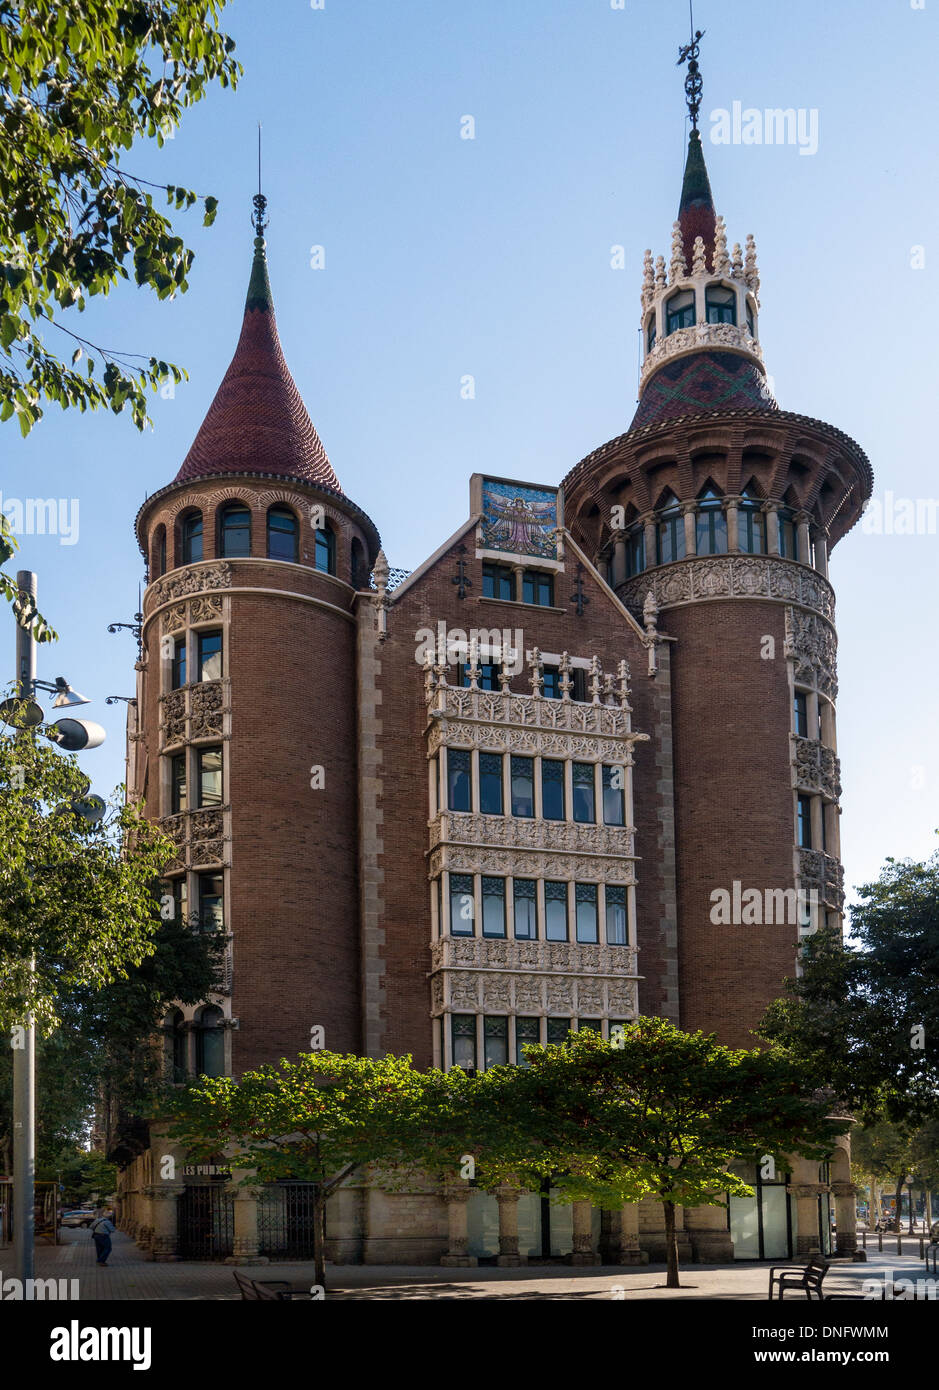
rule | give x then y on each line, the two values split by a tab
130	1276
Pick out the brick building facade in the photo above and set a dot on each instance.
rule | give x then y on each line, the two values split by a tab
534	764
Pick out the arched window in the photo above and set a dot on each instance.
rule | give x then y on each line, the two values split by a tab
191	536
210	1042
325	552
710	523
788	536
670	531
234	531
158	554
176	1058
359	576
751	523
650	334
721	304
283	535
679	311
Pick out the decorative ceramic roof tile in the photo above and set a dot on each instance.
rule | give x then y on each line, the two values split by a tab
700	382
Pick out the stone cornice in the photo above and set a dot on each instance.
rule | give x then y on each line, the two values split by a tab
702	578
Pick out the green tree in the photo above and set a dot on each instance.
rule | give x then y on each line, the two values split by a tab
865	1021
83	1173
80	82
882	1152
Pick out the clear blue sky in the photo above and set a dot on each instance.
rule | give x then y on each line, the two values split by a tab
492	257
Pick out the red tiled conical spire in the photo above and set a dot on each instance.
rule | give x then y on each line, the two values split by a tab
257	422
696	215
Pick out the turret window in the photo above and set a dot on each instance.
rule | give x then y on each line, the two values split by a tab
670	533
751	326
788	545
721	304
679	311
804	822
211	901
210	1042
325	549
800	713
210	776
178	797
711	524
751	524
179	663
283	535
191	536
210	656
635	551
234	531
650	334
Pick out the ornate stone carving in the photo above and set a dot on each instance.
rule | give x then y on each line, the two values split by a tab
509	832
532	957
473	859
174	618
817	768
196	711
206	825
704	577
193	579
205	609
824	874
812	646
702	335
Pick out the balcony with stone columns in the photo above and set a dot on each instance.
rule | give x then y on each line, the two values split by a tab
533	978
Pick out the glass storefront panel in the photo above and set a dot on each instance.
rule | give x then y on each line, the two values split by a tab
482	1224
775	1223
745	1228
529	1224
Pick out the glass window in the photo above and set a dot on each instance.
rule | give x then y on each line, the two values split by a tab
463	1028
711	524
210	1043
751	524
555	906
670	534
788	546
495	1042
721	304
750	321
177	1045
523	787
635	551
179	663
616	926
552	789
488	678
585	895
210	656
178	798
158	564
459	785
527	1030
538	588
283	535
324	550
558	1029
191	533
490	784
805	822
462	905
210	776
180	893
498	582
679	311
211	901
650	334
800	711
234	531
585	811
525	897
493	906
552	682
580	684
595	1025
614	795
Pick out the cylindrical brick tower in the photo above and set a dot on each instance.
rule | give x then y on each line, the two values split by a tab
246	719
716	510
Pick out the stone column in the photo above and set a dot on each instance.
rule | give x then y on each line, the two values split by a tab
164	1242
583	1252
820	538
771	510
619	561
245	1246
803	544
509	1255
806	1232
456	1198
623	1243
845	1195
711	1241
689	515
648	522
733	535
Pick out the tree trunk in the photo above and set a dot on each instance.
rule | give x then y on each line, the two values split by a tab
319	1238
873	1215
899	1203
671	1246
927	1213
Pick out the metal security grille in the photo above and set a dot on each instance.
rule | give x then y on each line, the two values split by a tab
285	1220
205	1222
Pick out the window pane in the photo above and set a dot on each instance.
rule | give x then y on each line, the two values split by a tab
493	906
210	776
178	797
526	909
490	784
179	663
496	1040
805	822
555	911
210	656
462	905
235	533
211	901
527	1030
552	789
282	535
464	1041
614	800
552	683
192	539
459	795
180	900
801	714
595	1025
558	1029
616	930
523	787
586	899
324	556
584	805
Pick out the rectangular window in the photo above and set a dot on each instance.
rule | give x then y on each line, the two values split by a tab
498	582
538	588
801	713
210	776
210	656
614	795
179	800
211	901
493	906
585	811
580	684
552	789
595	1025
496	1042
585	895
805	822
552	683
464	1041
459	783
462	905
527	1030
616	927
787	536
490	784
180	893
558	1029
525	898
179	663
488	678
635	551
523	787
555	907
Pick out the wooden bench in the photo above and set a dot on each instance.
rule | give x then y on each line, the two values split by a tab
268	1290
807	1278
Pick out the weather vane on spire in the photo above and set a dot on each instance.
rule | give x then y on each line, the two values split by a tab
693	81
260	202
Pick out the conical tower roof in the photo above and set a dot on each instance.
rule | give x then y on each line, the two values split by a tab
257	422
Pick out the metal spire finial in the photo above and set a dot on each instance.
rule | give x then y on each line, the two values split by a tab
693	81
260	202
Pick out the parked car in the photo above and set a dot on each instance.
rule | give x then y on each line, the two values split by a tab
77	1217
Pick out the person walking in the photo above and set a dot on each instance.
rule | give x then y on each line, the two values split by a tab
102	1228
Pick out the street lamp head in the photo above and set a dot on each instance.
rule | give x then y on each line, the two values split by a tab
66	697
18	713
